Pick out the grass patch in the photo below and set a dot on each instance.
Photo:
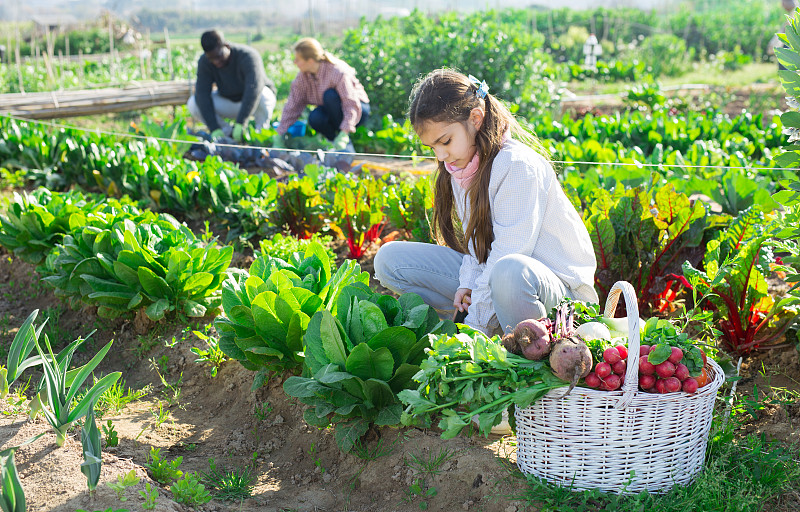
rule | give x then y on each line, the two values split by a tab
116	398
229	484
741	475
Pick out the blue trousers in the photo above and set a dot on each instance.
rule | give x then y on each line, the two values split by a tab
327	117
521	286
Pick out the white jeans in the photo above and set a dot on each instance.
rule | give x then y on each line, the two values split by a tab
227	109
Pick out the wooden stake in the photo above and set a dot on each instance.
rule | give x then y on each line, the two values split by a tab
18	60
111	48
149	56
81	77
141	60
169	54
61	66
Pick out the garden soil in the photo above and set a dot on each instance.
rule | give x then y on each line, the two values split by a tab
296	467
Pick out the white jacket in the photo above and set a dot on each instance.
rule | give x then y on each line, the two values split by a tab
531	215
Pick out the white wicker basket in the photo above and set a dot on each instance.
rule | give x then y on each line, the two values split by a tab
618	441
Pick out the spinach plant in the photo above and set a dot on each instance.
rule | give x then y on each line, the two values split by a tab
470	374
267	310
361	358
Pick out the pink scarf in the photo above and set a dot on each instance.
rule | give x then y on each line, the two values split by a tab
464	175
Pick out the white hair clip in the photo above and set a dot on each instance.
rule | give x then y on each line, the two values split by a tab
483	87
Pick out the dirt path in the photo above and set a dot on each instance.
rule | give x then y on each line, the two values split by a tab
297	467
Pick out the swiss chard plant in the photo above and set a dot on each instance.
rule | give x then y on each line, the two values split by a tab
410	208
267	310
299	208
641	237
357	210
733	285
361	358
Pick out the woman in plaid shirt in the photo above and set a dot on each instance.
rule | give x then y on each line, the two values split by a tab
520	247
331	84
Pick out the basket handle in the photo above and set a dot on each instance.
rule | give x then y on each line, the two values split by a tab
631	384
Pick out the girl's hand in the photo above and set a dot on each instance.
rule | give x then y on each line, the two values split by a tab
462	299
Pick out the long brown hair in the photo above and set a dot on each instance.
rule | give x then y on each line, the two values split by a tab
447	96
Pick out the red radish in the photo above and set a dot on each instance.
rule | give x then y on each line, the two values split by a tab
644	350
602	370
611	355
676	356
665	370
661	386
646	381
690	385
703	355
672	384
645	366
653	347
681	372
619	367
623	351
593	381
612	382
651	390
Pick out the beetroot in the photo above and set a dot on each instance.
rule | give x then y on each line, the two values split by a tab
611	355
645	366
690	385
665	370
647	381
571	360
676	355
530	338
619	367
603	370
672	385
681	372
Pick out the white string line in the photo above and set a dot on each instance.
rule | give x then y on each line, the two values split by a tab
382	155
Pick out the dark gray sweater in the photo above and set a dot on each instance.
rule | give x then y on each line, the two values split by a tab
241	79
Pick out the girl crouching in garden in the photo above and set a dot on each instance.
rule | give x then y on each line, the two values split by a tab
520	247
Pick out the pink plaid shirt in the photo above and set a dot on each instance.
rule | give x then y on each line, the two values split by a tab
307	89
